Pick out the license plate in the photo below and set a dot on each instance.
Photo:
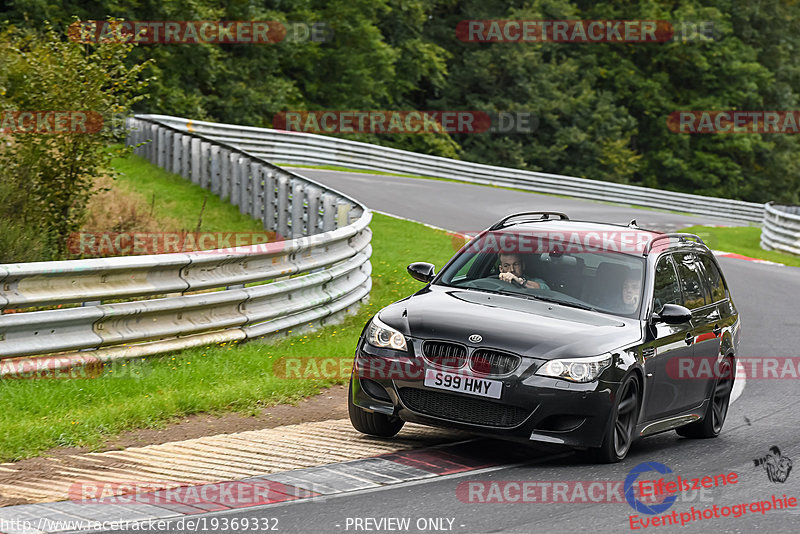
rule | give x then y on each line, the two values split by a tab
463	384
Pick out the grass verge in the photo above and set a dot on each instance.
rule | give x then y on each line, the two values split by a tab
744	240
41	414
179	199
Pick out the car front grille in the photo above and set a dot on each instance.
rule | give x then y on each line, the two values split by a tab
462	409
493	362
444	354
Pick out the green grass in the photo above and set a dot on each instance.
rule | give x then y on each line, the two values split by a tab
180	199
40	414
743	240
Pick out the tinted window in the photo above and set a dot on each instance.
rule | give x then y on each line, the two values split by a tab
694	292
667	290
714	279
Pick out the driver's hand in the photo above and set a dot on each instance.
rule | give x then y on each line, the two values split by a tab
509	277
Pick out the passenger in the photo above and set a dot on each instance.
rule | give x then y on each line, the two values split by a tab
511	268
631	292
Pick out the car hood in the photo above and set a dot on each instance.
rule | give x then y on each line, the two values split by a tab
530	328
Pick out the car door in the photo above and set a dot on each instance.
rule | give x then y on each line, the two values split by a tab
666	347
726	316
705	328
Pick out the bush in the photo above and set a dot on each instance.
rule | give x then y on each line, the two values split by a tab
48	177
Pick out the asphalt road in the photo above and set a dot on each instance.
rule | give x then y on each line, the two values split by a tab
466	207
766	414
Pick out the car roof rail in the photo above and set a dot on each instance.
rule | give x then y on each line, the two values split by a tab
681	237
543	216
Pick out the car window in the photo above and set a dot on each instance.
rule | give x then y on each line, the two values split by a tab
667	290
694	291
714	279
463	271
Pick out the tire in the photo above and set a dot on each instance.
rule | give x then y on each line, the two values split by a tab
717	410
371	423
620	432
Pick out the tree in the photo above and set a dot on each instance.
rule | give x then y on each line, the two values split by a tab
48	165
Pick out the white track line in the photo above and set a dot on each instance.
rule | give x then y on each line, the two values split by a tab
739	382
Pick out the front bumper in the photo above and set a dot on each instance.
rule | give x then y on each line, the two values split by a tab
530	408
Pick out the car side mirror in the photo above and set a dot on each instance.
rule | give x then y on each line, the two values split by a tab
422	271
673	314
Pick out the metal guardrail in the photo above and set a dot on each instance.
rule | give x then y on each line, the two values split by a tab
781	229
329	246
310	149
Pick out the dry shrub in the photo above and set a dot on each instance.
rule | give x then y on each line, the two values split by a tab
113	209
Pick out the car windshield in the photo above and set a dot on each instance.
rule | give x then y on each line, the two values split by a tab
602	280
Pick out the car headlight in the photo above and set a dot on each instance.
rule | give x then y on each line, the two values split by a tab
576	369
385	337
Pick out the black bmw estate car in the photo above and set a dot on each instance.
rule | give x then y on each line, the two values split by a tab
544	329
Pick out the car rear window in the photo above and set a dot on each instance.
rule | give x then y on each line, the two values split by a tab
714	279
694	291
667	290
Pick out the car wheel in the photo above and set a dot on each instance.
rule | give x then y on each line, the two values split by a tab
620	433
371	423
717	410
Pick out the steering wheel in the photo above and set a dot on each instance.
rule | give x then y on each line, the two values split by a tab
492	283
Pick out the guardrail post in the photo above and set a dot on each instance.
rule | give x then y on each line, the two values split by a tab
224	173
256	200
186	159
161	147
216	169
245	186
142	150
235	179
195	156
176	153
150	150
270	218
313	195
328	212
168	150
343	214
205	165
298	209
138	136
282	209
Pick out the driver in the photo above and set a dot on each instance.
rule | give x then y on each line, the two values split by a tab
511	268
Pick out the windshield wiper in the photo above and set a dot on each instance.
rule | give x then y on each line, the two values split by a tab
565	303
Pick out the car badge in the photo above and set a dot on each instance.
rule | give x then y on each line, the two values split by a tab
475	338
